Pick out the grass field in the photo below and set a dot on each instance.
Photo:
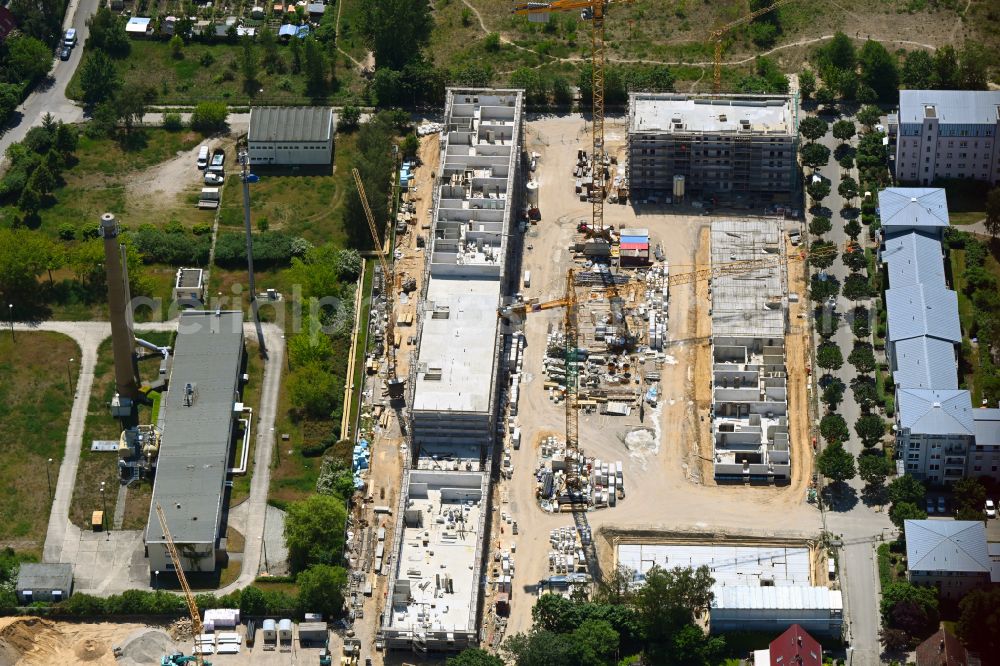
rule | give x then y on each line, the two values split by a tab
970	354
251	397
966	200
212	72
35	403
98	467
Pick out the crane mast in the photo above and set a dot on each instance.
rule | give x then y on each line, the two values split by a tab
196	626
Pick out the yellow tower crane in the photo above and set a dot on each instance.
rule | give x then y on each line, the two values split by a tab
196	627
718	33
593	11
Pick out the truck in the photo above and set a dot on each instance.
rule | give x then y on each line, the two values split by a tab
209	198
527	279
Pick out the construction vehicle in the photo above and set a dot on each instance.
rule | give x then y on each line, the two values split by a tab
394	383
718	33
196	627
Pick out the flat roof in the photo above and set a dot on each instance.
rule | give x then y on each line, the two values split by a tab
986	422
730	565
291	123
454	365
951	107
441	536
748	303
197	431
671	113
188	278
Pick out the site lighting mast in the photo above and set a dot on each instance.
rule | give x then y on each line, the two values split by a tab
593	11
246	178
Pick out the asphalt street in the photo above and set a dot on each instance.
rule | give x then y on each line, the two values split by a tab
860	526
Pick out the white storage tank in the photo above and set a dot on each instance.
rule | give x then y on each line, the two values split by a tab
285	630
533	193
269	631
678	187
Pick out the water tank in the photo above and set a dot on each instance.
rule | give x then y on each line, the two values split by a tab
533	194
285	630
678	187
269	630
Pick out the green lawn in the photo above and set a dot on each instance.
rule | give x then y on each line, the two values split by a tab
969	364
966	200
251	398
212	72
35	404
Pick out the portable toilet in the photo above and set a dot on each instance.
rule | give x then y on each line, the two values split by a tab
285	630
269	631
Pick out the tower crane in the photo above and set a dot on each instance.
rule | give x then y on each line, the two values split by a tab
196	626
593	11
394	383
718	33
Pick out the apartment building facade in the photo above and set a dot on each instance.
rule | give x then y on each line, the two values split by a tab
947	134
734	148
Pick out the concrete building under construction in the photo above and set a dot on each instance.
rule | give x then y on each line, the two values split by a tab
749	378
443	510
733	148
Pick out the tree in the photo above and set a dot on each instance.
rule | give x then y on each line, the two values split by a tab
979	621
98	78
848	188
900	512
314	531
844	130
870	429
838	54
814	155
209	117
903	594
312	389
132	102
535	90
395	30
894	640
321	590
828	356
945	68
668	602
541	648
813	128
315	66
918	70
107	32
833	428
860	323
269	49
835	463
972	73
869	116
825	96
879	71
349	119
853	230
822	254
818	189
862	357
474	657
807	83
993	212
819	225
597	640
833	393
821	289
176	47
907	489
28	59
249	65
864	391
253	602
873	467
970	495
855	288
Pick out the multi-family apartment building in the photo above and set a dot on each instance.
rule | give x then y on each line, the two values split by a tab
944	134
940	438
734	148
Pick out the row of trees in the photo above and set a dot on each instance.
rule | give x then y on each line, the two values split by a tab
36	167
26	55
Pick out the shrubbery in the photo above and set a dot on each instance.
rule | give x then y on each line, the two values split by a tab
270	249
165	247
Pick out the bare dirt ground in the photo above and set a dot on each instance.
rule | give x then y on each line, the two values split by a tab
665	494
29	641
163	185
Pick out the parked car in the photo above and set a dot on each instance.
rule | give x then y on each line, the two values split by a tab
203	157
930	506
942	506
991	509
69	39
64	52
218	160
214	178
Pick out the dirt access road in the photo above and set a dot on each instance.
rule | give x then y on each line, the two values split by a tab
664	489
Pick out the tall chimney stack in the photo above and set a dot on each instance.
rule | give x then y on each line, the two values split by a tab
122	336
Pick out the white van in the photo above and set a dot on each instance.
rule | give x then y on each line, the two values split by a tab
527	279
203	157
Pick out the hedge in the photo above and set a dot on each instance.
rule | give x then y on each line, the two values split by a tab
250	600
174	248
884	565
270	249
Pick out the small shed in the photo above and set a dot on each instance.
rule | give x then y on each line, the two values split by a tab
285	630
312	633
44	582
287	30
137	26
315	8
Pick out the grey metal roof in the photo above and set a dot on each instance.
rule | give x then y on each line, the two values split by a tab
987	426
45	576
952	107
913	207
194	450
914	256
925	362
935	412
787	597
920	309
291	123
946	545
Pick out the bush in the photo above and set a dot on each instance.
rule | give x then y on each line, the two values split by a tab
174	248
201	229
172	122
270	249
67	231
209	117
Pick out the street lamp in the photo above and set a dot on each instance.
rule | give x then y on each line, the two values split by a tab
156	580
48	477
69	372
104	514
10	311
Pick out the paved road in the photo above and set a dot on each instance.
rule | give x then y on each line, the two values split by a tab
51	98
88	335
858	524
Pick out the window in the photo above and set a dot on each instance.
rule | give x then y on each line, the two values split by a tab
926	170
961	155
963	144
977	468
948	156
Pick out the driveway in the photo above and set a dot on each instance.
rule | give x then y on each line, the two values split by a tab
63	540
50	97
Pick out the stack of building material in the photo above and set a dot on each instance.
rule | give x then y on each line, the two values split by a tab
360	461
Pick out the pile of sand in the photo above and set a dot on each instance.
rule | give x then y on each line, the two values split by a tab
88	649
21	635
146	648
33	641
